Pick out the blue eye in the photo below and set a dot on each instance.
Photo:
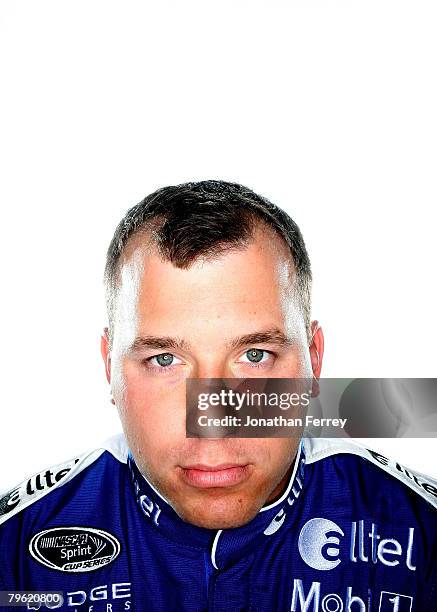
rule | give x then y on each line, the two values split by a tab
255	355
165	359
258	358
164	362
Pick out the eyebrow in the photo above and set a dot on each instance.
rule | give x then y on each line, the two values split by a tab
269	336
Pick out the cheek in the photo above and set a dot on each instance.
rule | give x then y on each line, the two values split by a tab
161	388
152	410
278	452
268	454
295	365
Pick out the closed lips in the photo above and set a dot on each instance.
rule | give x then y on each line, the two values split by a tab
222	475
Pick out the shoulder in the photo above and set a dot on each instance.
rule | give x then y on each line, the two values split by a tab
60	479
367	473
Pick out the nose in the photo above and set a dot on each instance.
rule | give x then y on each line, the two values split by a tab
212	368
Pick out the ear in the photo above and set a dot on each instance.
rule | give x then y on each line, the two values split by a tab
106	355
316	354
316	348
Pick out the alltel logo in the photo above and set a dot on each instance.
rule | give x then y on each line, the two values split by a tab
323	545
319	544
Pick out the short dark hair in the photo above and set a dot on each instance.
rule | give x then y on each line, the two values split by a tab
204	219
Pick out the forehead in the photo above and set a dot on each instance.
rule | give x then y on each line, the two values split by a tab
265	260
241	291
261	273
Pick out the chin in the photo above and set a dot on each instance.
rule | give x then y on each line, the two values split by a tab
223	516
211	522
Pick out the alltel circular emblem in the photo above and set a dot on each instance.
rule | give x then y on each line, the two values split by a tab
74	549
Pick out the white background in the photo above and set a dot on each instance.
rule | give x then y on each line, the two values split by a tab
327	108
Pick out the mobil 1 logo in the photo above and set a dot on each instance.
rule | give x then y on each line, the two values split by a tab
394	602
314	598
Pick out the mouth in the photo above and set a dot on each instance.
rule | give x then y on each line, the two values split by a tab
223	475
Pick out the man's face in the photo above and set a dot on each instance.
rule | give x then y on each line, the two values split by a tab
205	309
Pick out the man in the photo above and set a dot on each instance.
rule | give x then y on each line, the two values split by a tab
210	280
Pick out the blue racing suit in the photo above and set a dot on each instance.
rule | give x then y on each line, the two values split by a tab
353	531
